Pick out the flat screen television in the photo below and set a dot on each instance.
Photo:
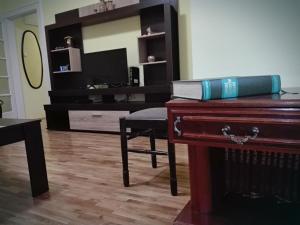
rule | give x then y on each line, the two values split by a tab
106	67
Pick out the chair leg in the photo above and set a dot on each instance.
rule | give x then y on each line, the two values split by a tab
172	166
152	145
124	150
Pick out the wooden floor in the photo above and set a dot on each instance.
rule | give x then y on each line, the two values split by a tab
84	172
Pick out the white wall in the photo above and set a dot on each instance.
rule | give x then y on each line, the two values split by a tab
34	99
246	37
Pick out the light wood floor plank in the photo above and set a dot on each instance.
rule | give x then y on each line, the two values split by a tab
85	178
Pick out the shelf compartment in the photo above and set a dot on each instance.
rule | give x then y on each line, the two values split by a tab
152	46
7	106
66	56
4	86
3	70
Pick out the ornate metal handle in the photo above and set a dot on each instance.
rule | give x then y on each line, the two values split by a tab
176	122
237	139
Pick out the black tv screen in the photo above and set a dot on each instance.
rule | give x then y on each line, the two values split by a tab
106	67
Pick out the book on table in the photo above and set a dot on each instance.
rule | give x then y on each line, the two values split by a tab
226	87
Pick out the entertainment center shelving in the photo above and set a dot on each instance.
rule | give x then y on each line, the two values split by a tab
70	107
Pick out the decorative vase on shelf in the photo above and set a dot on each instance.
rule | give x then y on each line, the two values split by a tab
102	6
151	58
148	31
110	5
68	41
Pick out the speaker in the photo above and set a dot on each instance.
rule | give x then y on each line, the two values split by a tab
134	76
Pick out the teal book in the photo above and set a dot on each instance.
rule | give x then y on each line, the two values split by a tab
226	87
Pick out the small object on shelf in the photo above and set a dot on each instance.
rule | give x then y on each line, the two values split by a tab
100	86
64	68
95	98
68	41
149	31
151	58
102	6
121	98
109	5
90	86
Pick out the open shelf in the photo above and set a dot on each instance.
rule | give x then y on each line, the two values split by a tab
154	89
66	56
153	63
67	71
152	36
62	49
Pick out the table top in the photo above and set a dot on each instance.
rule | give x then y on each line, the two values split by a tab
281	100
15	122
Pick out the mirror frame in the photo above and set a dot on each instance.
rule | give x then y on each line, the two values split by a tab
23	62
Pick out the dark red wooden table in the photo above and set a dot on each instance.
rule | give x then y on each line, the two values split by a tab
266	123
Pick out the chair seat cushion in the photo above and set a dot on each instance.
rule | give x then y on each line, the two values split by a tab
149	114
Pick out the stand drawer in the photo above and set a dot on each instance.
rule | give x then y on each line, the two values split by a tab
242	129
96	120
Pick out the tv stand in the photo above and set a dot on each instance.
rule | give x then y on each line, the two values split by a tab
71	103
61	113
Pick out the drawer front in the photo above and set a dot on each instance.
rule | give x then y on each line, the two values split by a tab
235	127
96	120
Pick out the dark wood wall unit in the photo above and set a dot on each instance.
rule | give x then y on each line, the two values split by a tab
172	43
55	38
57	119
153	17
155	74
69	88
112	15
67	17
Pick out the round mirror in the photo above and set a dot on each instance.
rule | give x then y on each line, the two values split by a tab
32	59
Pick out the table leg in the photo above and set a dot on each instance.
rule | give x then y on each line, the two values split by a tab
200	179
36	158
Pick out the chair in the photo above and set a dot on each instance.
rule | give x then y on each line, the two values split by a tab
146	122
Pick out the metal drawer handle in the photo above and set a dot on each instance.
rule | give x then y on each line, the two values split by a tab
237	139
176	122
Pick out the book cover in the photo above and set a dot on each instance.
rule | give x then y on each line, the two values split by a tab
227	87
